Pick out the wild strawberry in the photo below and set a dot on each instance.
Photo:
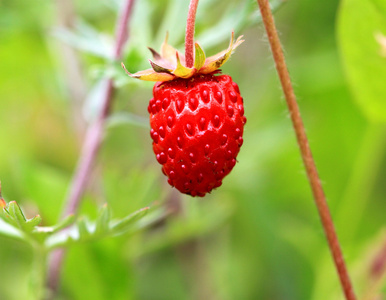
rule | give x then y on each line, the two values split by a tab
196	118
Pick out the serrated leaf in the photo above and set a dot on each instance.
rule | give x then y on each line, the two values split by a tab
102	222
126	222
67	221
199	60
8	230
30	224
359	23
16	213
15	216
87	39
83	230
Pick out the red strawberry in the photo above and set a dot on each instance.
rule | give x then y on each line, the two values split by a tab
196	119
197	127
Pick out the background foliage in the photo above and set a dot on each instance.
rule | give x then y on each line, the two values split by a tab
258	236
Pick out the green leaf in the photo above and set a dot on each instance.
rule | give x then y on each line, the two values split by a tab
359	24
16	217
67	221
8	230
30	224
16	214
88	39
83	229
102	222
126	222
52	229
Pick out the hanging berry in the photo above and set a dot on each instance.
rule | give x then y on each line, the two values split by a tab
196	117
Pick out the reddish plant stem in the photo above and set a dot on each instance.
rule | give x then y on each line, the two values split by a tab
94	133
189	34
312	173
91	145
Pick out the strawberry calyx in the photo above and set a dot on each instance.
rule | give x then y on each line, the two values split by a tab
170	63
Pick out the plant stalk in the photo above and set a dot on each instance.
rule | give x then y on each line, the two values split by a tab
38	272
91	145
189	34
312	173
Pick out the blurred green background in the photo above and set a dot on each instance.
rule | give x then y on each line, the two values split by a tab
256	237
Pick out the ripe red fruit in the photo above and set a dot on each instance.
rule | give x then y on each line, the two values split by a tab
197	127
196	118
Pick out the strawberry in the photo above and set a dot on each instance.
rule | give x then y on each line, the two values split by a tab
196	118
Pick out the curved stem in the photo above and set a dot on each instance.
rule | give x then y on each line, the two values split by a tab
312	173
94	133
189	35
91	144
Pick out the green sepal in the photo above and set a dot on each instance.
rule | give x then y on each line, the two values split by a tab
170	64
199	60
216	61
182	71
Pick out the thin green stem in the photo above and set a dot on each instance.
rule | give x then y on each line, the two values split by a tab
305	150
38	272
189	35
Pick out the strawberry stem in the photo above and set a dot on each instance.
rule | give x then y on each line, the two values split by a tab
189	34
312	173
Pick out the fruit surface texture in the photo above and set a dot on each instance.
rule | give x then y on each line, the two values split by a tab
197	130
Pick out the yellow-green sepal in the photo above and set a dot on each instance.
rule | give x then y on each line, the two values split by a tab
216	61
182	71
158	68
168	52
199	59
149	75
